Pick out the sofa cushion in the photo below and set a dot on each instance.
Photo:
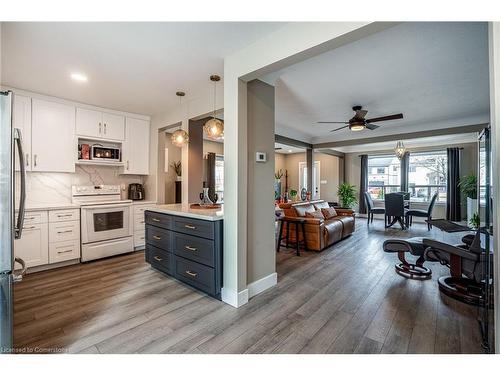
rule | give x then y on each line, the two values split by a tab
315	214
347	223
320	205
303	208
333	232
329	212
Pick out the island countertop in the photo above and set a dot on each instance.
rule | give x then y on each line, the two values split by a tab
184	210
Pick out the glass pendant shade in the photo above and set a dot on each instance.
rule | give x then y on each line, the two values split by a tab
180	138
214	128
400	150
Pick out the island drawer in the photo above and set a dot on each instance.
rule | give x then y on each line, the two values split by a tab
195	274
158	220
159	258
200	250
195	227
158	237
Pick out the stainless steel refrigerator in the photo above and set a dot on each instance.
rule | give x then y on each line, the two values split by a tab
10	225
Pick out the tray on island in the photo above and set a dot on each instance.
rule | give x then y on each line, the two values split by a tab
205	206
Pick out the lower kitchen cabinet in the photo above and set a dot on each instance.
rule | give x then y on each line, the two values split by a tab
188	249
49	237
140	223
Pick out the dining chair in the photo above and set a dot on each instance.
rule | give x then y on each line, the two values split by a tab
422	213
371	207
394	210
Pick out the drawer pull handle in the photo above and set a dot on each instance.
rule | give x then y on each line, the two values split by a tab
65	215
33	227
158	259
190	248
155	219
191	273
189	226
142	222
157	237
65	231
29	218
65	251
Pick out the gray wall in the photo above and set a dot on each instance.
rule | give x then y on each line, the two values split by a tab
195	160
261	258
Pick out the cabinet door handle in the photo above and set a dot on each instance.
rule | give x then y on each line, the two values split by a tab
104	128
128	165
65	251
157	237
189	226
157	220
191	273
100	128
158	258
27	160
65	231
190	248
35	157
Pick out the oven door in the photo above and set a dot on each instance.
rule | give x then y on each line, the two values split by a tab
106	222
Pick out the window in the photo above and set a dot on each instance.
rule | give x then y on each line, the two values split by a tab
427	175
219	177
384	175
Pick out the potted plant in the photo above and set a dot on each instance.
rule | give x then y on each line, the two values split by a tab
176	166
474	221
468	187
347	195
293	195
277	184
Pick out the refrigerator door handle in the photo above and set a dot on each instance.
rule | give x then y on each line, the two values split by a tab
17	276
22	199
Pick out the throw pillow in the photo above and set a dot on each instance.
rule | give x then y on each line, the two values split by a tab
303	208
315	214
328	213
321	205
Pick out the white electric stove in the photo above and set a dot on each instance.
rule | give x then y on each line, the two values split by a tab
106	221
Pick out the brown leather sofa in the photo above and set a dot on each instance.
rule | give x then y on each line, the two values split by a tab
320	233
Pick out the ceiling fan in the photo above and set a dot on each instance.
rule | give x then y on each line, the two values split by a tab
358	122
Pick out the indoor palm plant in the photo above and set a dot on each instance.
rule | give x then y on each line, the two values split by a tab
177	167
468	187
347	195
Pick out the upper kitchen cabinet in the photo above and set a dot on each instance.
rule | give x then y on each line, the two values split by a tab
53	142
96	124
135	151
21	117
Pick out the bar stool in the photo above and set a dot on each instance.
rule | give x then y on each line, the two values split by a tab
299	223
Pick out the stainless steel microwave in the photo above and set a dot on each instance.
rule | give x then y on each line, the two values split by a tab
99	152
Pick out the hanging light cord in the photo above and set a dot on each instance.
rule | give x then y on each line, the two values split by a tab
215	96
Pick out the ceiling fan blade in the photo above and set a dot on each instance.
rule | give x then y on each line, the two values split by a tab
372	127
343	127
277	148
332	122
361	113
386	118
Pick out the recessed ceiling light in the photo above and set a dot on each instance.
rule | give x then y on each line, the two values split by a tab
289	150
79	77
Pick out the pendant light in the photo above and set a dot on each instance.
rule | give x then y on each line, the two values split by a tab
214	128
400	150
180	137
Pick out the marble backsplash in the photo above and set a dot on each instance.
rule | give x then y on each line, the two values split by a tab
55	188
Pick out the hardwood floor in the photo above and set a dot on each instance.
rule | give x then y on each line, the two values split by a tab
346	299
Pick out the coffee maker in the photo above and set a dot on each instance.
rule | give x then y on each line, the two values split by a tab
135	192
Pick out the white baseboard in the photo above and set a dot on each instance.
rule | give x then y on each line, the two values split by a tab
233	298
262	284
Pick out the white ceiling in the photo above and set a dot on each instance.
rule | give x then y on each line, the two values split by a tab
436	74
134	67
285	149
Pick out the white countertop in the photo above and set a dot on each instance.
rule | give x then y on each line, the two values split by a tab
49	206
143	202
184	210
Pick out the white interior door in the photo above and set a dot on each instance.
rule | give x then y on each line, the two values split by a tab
316	194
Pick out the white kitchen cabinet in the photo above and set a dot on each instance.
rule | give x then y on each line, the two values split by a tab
33	246
135	149
99	125
53	142
21	118
140	224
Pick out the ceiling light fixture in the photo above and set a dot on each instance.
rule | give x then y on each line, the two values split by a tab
180	137
357	126
400	150
214	128
289	150
79	77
